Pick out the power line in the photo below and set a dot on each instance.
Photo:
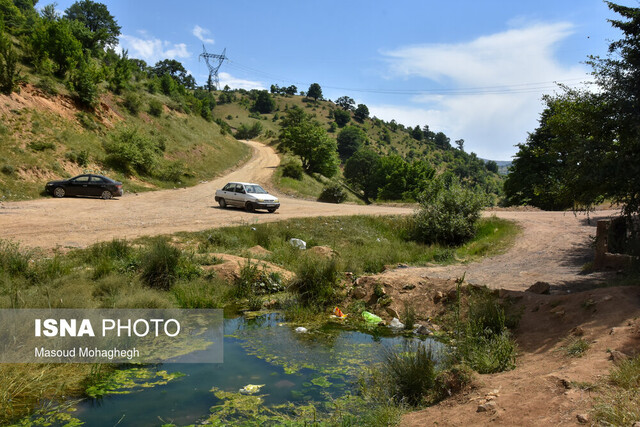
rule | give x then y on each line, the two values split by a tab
516	88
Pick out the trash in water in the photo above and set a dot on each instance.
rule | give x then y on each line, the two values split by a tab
338	313
251	388
301	330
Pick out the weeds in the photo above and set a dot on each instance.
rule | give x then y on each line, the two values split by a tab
316	281
576	346
620	403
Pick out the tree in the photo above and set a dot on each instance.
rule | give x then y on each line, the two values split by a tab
350	140
84	82
346	103
442	141
264	103
122	72
492	166
361	113
308	140
460	144
315	91
361	171
341	117
8	64
174	69
53	41
417	134
95	17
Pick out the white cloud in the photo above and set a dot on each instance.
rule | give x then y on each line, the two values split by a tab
493	85
153	49
201	34
236	83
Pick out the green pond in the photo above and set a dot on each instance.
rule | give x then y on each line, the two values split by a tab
301	374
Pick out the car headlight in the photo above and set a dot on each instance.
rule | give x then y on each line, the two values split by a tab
261	200
275	200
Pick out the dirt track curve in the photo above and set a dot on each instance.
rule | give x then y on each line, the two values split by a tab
553	247
79	222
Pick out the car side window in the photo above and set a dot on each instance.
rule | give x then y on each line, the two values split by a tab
229	187
97	180
81	179
239	188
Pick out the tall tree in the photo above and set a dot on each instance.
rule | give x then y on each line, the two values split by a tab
361	113
308	140
315	91
264	102
350	140
102	26
361	171
346	103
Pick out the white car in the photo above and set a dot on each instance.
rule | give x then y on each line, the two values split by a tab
246	195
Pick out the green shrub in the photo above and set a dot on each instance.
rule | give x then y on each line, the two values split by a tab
42	145
163	264
316	281
8	169
129	150
248	132
13	260
333	193
410	373
576	346
132	103
47	85
201	293
448	214
293	170
84	82
80	158
8	64
254	280
155	108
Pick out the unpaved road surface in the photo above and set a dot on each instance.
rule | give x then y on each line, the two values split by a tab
553	248
79	222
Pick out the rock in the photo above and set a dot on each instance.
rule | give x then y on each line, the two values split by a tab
301	330
437	297
359	293
452	294
408	287
396	324
540	288
403	266
486	407
582	418
298	243
422	330
577	331
636	424
392	312
617	356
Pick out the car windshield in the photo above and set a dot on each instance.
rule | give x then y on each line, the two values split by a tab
254	189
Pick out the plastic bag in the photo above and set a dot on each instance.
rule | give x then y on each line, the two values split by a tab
371	318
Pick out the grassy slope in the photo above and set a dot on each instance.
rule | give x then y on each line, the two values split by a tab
36	142
402	144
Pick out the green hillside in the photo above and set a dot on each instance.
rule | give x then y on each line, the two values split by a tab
71	104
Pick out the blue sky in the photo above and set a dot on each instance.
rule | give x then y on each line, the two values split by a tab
473	69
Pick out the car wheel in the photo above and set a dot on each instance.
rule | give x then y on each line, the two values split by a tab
106	195
222	203
249	207
271	210
59	192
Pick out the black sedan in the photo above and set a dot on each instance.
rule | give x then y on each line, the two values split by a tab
85	185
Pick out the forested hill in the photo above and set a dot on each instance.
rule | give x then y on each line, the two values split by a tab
72	103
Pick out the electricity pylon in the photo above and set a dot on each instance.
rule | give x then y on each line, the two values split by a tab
213	68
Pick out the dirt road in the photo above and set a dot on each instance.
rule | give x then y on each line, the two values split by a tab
553	247
79	222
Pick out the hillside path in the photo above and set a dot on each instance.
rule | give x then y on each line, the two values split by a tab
78	222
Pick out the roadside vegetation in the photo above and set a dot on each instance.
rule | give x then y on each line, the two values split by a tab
161	272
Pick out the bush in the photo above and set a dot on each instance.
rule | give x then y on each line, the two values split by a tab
129	150
8	169
41	145
155	108
80	158
254	280
163	264
132	103
293	170
84	82
248	132
316	281
410	373
333	193
448	214
8	65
